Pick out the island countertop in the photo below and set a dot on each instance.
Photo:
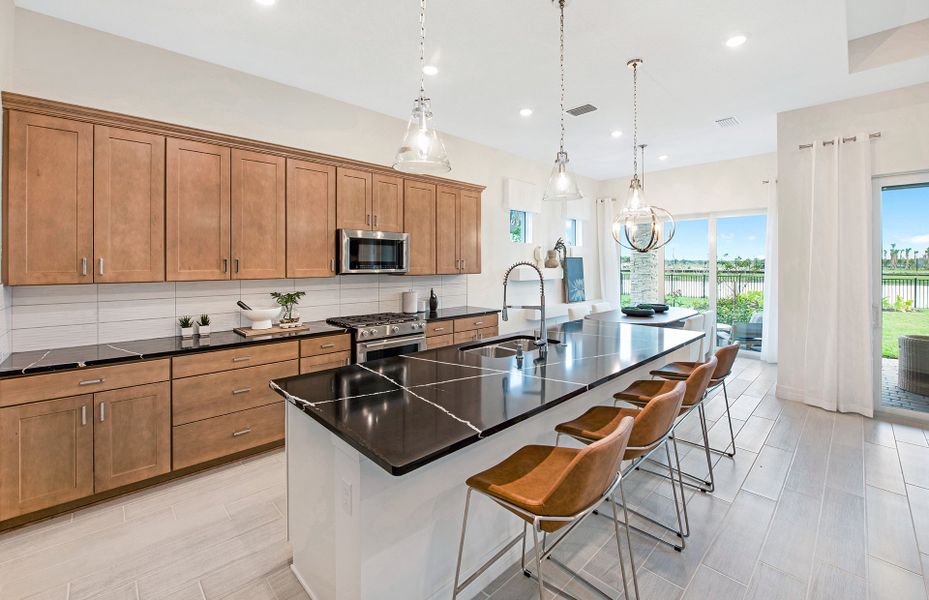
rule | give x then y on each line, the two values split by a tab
405	412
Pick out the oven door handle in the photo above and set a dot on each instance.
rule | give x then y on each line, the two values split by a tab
393	342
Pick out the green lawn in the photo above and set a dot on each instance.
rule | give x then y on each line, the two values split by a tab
896	324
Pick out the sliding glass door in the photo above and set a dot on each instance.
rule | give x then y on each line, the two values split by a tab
687	265
740	258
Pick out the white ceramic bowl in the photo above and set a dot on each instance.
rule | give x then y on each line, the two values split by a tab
261	317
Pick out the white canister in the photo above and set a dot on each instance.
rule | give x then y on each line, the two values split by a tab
410	302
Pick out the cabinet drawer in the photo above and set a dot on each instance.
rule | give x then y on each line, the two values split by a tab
465	336
470	323
325	345
324	362
487	332
205	440
21	390
206	396
227	360
440	341
435	328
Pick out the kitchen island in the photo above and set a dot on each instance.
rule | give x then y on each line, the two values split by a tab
377	453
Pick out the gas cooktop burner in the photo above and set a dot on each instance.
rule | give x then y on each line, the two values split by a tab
356	321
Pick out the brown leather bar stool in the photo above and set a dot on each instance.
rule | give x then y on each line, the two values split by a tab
641	392
651	430
554	489
725	356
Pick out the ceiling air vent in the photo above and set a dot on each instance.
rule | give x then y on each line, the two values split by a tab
728	122
581	110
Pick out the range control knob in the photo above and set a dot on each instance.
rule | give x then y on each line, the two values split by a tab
373	331
364	333
421	324
395	329
414	325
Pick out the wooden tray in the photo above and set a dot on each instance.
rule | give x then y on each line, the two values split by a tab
249	332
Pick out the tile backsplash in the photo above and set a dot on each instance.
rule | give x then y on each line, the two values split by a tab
43	317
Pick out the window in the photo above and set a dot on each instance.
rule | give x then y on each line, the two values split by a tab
520	226
572	232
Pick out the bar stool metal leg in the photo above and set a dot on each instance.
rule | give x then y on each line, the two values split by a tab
464	528
635	580
729	417
680	482
538	559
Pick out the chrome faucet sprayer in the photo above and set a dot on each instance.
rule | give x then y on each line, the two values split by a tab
542	340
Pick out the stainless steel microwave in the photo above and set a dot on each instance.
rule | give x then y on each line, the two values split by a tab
362	251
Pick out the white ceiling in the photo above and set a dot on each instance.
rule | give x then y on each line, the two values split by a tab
497	56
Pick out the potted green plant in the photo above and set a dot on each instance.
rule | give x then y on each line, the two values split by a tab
288	300
187	326
203	325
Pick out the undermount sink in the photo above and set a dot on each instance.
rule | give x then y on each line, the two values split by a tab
506	347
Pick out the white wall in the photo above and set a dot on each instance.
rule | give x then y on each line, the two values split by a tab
7	17
902	117
62	61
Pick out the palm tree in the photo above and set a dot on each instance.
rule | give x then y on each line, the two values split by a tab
906	257
893	256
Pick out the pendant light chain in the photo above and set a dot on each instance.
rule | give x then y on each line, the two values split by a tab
635	120
422	49
561	6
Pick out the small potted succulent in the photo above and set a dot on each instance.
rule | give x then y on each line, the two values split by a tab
203	325
187	326
288	300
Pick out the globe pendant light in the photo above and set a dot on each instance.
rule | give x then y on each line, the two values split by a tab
422	150
639	226
562	186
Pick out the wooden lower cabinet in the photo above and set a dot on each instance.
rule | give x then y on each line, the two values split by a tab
46	454
440	341
132	435
324	362
209	439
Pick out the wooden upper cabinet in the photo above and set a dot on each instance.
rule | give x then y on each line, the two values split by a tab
129	206
311	219
258	216
48	210
446	229
132	435
46	454
354	199
469	231
388	204
419	221
198	203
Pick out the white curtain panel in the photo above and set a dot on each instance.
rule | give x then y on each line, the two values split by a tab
838	362
609	253
769	330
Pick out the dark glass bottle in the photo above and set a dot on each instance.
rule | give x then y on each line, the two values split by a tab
433	301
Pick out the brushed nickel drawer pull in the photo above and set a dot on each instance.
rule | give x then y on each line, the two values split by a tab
478	323
83	415
84	266
241	358
242	432
244	390
101	265
438	329
327	346
102	412
91	381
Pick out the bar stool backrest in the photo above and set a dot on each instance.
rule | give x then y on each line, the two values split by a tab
698	381
726	357
655	419
590	474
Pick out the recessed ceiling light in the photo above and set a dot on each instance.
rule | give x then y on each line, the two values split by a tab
663	157
526	112
616	133
736	41
266	2
431	70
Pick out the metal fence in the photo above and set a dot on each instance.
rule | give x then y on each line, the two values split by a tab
913	288
697	284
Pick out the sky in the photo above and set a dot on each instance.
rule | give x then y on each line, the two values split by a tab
905	217
736	236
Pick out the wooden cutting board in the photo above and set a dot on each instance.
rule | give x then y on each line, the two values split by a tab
249	332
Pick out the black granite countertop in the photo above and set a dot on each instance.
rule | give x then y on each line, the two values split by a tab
58	359
673	315
405	412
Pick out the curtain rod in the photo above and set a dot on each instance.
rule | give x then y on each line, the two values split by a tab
854	138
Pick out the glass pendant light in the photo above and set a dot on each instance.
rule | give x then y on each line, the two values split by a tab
562	186
422	150
639	226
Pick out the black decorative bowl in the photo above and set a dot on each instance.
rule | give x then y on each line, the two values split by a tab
636	311
658	308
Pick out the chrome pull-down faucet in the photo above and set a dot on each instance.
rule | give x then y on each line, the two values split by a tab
541	341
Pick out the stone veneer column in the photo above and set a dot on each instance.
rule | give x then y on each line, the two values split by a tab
644	270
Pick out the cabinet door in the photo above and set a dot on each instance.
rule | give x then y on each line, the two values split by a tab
446	229
129	206
388	204
354	195
132	435
419	222
311	219
258	208
469	232
46	454
197	195
48	220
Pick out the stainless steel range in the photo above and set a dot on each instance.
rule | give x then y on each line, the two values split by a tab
383	334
